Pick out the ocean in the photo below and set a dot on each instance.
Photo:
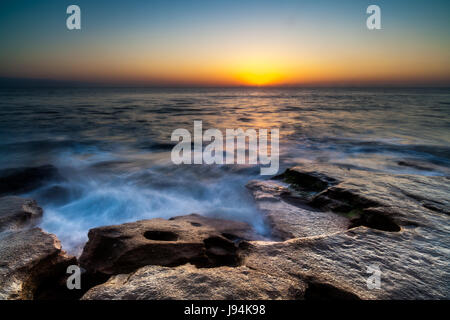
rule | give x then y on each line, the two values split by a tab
112	145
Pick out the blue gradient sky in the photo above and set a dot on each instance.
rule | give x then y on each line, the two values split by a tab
227	42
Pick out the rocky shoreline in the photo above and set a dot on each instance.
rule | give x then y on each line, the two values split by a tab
329	224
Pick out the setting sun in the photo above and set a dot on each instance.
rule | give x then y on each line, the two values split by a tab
260	78
259	73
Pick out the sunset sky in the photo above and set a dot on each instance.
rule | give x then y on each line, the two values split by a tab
229	42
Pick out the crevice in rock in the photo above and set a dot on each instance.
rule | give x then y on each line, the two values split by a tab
306	181
427	203
297	201
326	291
233	237
47	279
221	252
433	207
196	224
160	235
360	210
378	222
55	288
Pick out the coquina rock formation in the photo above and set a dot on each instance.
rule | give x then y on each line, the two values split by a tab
335	226
30	258
333	230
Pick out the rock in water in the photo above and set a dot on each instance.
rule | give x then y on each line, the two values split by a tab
29	258
21	180
289	221
400	227
188	282
191	239
404	200
17	212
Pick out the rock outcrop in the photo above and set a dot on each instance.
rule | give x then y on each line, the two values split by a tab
188	282
21	180
290	218
413	264
345	227
194	239
339	230
29	260
16	212
379	198
399	224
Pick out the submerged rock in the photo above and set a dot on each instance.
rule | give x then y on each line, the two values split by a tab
30	259
188	282
16	212
201	241
21	180
405	200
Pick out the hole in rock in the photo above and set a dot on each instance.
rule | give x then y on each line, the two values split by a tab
161	235
221	251
196	224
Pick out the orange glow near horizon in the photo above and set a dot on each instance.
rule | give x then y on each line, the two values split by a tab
228	66
260	77
221	43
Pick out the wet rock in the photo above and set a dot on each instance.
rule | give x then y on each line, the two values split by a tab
381	218
403	199
290	219
29	259
21	180
232	230
17	212
415	165
423	166
399	225
192	239
305	179
188	282
413	263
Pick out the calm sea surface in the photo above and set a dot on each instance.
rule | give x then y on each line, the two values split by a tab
112	146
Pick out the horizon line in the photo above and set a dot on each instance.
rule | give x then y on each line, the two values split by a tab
11	82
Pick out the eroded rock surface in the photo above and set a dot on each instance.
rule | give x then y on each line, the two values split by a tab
335	223
288	220
399	224
21	180
413	263
188	282
191	239
29	258
345	224
377	198
16	212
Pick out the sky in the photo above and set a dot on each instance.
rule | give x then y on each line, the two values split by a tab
217	42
